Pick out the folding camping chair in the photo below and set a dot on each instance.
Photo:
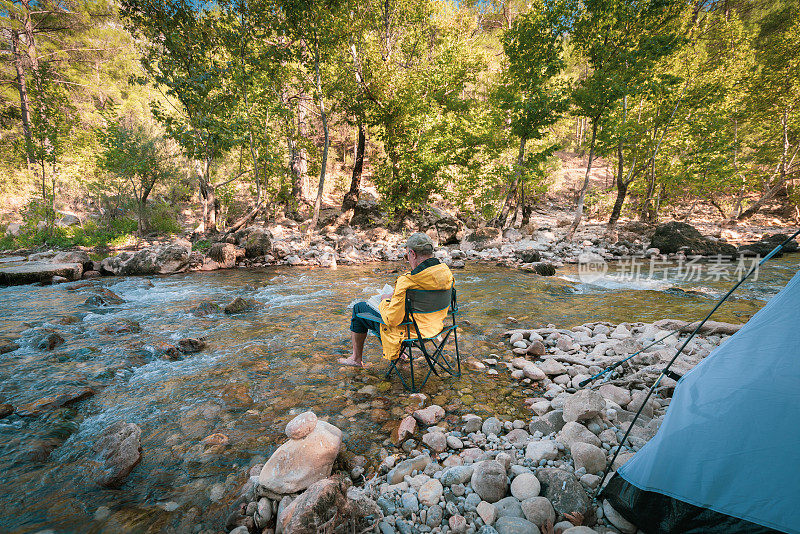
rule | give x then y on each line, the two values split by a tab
420	301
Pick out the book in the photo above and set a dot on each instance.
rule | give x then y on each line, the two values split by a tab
375	300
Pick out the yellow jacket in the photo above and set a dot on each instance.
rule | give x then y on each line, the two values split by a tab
430	274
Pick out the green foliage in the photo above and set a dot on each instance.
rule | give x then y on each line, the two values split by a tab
90	234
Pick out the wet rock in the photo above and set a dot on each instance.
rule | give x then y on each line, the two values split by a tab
406	429
8	347
301	426
524	486
237	395
489	480
66	398
515	525
405	467
241	305
588	457
166	351
563	490
48	340
38	271
205	308
117	451
104	297
59	280
583	405
159	259
191	345
538	511
542	268
298	463
547	423
430	415
673	236
6	410
121	326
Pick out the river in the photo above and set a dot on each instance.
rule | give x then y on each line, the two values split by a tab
259	370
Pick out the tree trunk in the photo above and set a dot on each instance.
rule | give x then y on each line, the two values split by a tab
24	102
582	196
299	161
208	199
501	220
351	197
782	166
327	142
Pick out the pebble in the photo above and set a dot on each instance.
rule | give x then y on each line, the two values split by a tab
434	516
409	504
430	492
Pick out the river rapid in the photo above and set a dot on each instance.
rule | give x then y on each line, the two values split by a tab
259	370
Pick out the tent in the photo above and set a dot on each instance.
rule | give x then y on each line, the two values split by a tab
726	458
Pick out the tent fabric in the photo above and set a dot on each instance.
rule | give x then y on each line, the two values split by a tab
653	512
730	441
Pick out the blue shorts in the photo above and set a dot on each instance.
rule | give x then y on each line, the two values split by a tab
359	325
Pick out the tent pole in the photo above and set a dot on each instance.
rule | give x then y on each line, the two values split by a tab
680	350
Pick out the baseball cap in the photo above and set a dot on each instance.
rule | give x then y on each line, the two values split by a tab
420	243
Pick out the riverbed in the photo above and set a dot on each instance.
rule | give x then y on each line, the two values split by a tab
263	367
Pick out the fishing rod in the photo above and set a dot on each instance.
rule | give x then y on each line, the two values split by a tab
665	370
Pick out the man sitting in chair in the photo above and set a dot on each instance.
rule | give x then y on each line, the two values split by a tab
426	273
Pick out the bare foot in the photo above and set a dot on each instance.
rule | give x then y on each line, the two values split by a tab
350	362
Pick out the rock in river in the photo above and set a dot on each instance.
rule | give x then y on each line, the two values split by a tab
241	305
117	450
298	463
38	271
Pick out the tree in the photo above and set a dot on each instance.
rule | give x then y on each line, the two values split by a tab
621	40
774	101
135	154
182	54
531	92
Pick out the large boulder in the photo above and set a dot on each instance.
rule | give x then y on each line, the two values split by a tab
449	230
258	243
225	254
298	463
117	451
487	237
766	244
159	259
673	236
563	490
14	274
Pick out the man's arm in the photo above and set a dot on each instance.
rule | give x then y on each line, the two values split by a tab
393	311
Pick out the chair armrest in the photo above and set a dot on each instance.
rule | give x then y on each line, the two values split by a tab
370	317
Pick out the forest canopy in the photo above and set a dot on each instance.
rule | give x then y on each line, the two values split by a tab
241	109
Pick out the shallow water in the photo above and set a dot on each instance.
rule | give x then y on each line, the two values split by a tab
258	371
